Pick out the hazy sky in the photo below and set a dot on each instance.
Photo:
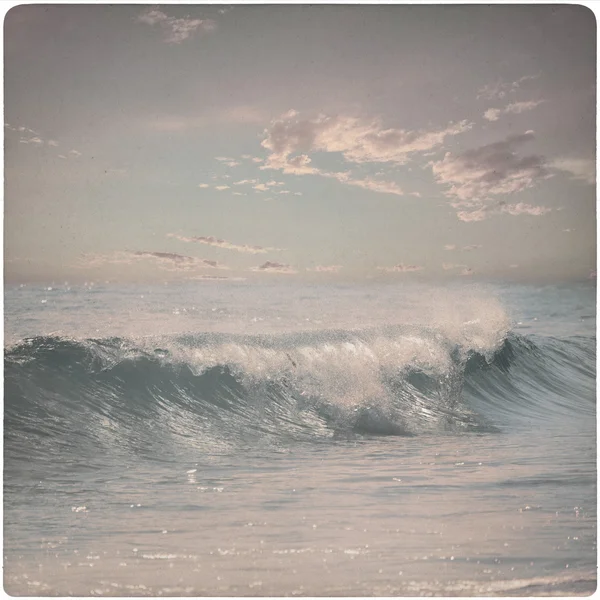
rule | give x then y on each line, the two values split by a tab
320	143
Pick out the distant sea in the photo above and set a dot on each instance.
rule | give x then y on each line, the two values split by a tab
228	439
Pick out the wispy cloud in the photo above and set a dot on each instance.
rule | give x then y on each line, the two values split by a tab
369	183
219	243
230	162
477	175
468	248
401	268
290	139
524	209
222	116
203	185
326	268
500	89
451	266
175	30
493	114
254	159
221	188
30	136
274	267
179	262
580	169
215	278
168	261
358	140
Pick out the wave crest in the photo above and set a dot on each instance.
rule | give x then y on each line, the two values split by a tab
222	389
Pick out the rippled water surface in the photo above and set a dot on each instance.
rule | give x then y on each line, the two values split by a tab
238	440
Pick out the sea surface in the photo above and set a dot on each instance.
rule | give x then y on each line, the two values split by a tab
229	439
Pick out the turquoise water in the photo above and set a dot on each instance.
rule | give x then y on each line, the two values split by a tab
300	440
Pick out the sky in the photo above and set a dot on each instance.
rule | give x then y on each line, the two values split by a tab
350	143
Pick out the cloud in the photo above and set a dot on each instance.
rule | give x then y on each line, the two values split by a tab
231	115
23	129
261	187
450	266
401	268
220	188
467	272
493	114
358	140
215	278
168	261
175	30
471	247
274	267
500	89
579	168
246	182
97	260
450	247
219	243
178	262
230	162
326	268
203	185
524	209
36	139
369	183
290	139
474	177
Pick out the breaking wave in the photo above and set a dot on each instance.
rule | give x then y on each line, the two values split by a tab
214	392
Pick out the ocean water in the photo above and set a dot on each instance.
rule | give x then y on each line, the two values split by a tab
228	439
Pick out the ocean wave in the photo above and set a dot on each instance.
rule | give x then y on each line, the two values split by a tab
212	391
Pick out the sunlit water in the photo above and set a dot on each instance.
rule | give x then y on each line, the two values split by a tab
236	440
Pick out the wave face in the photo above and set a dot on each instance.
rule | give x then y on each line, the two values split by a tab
220	392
